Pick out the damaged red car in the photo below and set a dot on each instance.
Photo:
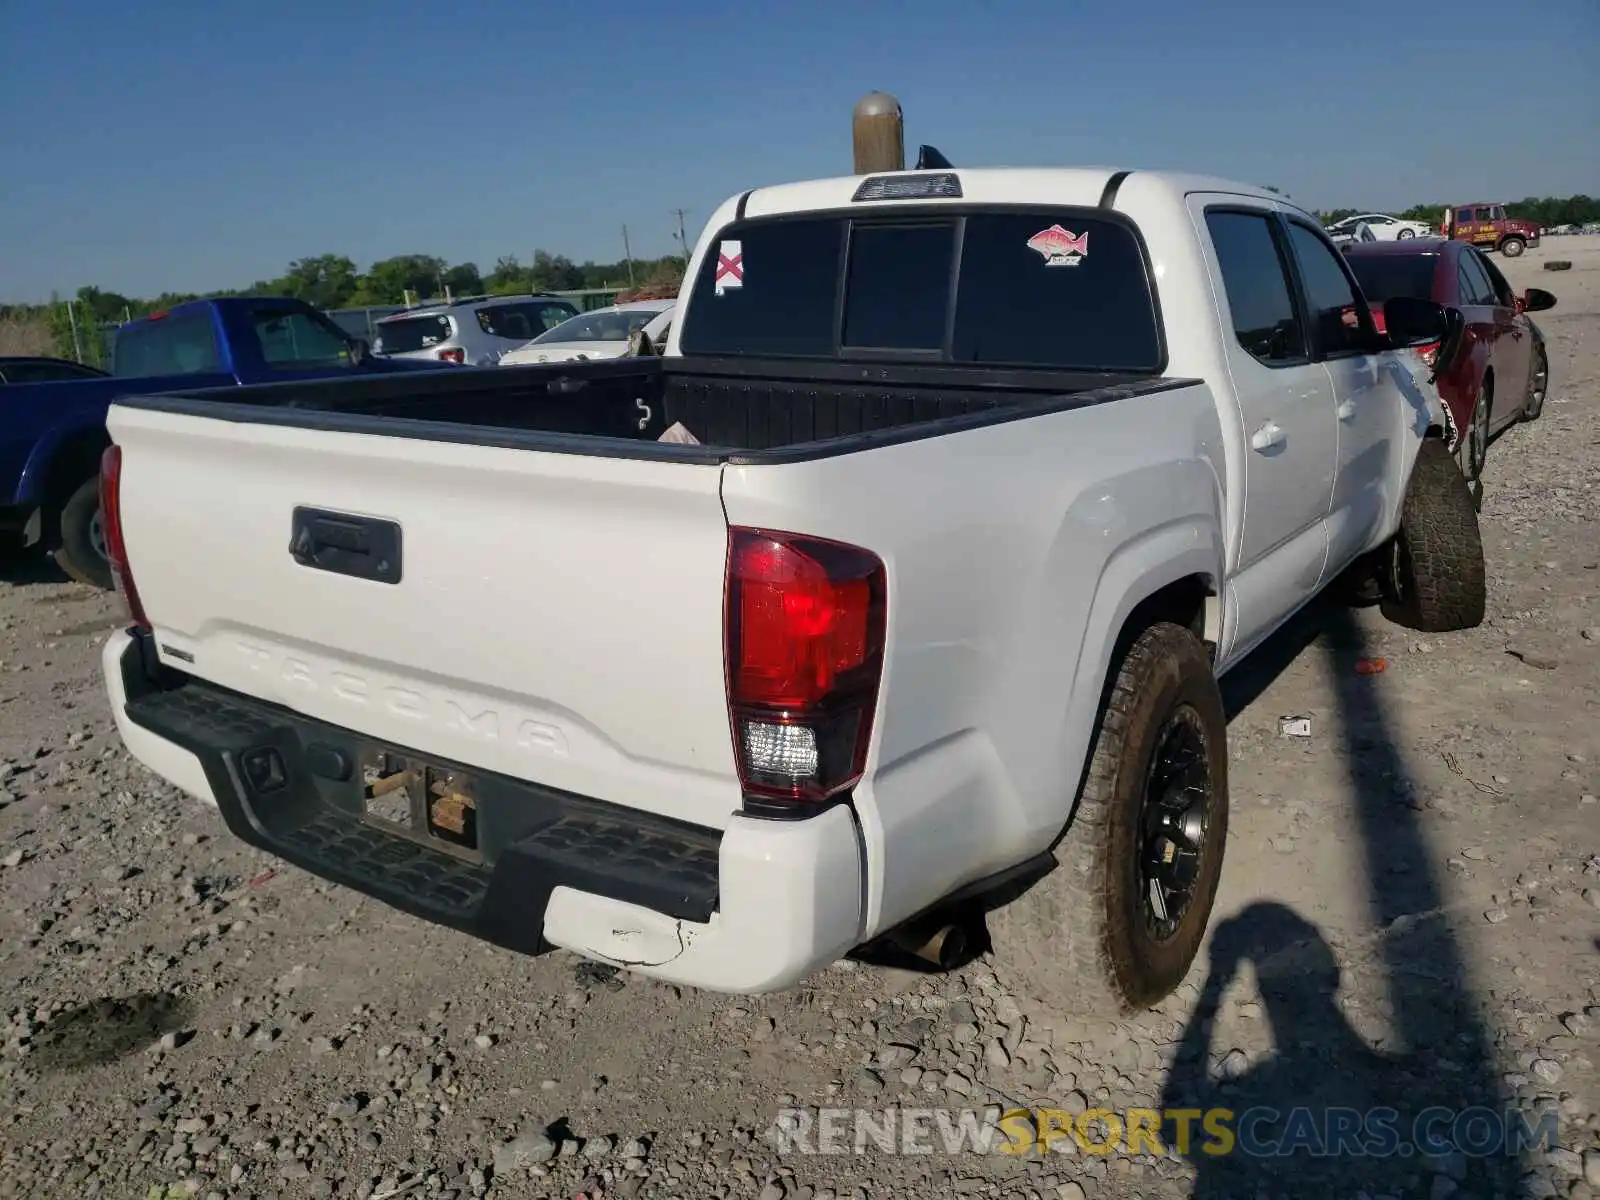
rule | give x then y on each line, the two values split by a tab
1501	373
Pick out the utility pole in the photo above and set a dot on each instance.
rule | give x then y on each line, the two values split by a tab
627	254
72	320
683	238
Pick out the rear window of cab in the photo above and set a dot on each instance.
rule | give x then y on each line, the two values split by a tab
1053	288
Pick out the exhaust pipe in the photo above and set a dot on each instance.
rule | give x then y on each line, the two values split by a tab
942	947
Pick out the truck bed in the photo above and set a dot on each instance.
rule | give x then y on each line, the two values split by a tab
741	410
503	568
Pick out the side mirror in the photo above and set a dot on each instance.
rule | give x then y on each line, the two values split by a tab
359	351
1537	300
1412	321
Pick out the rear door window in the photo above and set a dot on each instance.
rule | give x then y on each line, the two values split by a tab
1338	316
1053	288
523	322
184	344
1255	279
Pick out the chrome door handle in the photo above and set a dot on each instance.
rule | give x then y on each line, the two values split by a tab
1266	437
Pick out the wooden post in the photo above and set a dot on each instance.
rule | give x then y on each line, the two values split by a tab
879	134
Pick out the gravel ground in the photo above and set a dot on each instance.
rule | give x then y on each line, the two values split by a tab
1410	917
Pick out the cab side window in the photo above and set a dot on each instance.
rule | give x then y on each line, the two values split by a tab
1339	319
1255	279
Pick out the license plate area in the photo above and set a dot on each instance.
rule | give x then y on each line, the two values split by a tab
416	799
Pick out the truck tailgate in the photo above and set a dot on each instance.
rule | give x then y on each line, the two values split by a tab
557	617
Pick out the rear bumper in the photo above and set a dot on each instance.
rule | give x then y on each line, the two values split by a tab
753	908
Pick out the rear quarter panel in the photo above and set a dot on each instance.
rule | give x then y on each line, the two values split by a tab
1014	552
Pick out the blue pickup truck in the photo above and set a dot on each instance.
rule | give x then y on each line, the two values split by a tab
52	434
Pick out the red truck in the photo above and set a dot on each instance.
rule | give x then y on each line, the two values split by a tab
1487	227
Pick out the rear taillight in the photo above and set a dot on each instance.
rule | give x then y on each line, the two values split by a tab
456	355
804	628
116	545
1428	353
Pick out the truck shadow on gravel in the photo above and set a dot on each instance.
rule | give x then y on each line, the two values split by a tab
1326	1113
21	567
102	1031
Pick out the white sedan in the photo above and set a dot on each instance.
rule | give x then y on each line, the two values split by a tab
1384	228
603	333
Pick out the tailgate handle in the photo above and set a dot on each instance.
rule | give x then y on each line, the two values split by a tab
345	544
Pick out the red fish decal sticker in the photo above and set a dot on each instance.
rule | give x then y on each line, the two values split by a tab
1059	248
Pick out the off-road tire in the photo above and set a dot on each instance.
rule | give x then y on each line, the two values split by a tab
1558	264
1076	942
1434	581
76	554
1533	408
1512	247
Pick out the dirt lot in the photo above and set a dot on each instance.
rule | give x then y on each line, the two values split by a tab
1410	918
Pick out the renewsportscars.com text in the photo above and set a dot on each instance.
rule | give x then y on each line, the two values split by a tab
1190	1132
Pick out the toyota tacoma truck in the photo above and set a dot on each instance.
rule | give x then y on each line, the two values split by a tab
973	484
52	427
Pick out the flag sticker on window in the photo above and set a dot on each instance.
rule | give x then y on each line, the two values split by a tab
1060	248
730	266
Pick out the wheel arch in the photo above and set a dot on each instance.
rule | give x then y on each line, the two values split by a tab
58	467
1172	574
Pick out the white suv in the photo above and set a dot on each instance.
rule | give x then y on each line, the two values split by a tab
474	331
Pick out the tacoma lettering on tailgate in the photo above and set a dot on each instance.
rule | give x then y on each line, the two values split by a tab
443	712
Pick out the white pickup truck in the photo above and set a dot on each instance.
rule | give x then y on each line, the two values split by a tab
996	472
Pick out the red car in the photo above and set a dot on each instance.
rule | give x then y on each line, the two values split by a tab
1501	374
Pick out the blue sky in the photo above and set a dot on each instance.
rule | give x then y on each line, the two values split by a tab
171	144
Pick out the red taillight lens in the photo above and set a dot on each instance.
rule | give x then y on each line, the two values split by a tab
116	546
1428	353
805	634
455	355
